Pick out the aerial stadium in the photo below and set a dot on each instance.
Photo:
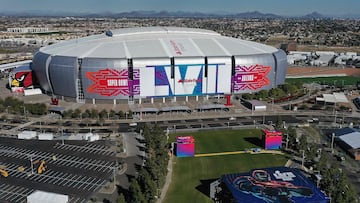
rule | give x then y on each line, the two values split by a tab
156	62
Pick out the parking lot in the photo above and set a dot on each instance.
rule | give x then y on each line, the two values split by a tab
77	169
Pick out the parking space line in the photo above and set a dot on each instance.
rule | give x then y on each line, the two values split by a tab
68	180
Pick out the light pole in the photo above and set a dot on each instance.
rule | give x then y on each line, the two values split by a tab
62	136
332	142
287	141
115	176
263	121
303	158
228	124
32	165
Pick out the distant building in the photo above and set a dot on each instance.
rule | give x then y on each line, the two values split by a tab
291	46
349	140
28	29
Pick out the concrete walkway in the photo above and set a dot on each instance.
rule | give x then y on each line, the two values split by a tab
240	152
167	181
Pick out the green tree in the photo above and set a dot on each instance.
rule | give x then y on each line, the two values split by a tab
147	184
292	137
76	113
121	114
103	114
247	96
68	113
94	113
86	114
136	195
289	88
303	142
112	113
263	94
121	198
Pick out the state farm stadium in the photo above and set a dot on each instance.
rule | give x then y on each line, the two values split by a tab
156	62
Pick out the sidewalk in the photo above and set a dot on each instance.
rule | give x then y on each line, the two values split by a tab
167	181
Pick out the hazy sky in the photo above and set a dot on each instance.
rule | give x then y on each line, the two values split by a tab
281	7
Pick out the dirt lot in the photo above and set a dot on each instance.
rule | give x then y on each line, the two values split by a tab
310	71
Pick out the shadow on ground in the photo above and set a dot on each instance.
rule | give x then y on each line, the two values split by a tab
254	140
204	187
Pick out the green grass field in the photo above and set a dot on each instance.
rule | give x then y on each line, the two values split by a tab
192	175
347	80
223	140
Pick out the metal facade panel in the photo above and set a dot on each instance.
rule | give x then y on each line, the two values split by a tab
219	75
105	78
188	76
253	73
281	66
154	77
63	73
40	67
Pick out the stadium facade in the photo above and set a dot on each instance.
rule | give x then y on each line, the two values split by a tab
157	62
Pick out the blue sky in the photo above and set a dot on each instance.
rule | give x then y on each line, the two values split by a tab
281	7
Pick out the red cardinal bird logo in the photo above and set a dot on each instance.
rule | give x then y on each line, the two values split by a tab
21	79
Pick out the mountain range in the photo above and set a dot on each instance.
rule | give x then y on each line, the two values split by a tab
143	14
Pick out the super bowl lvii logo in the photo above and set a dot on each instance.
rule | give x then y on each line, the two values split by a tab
251	77
109	82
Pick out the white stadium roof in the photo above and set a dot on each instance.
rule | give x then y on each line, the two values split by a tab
159	42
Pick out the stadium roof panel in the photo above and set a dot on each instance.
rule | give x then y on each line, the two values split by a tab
156	42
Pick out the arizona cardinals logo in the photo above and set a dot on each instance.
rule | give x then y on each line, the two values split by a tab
21	79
